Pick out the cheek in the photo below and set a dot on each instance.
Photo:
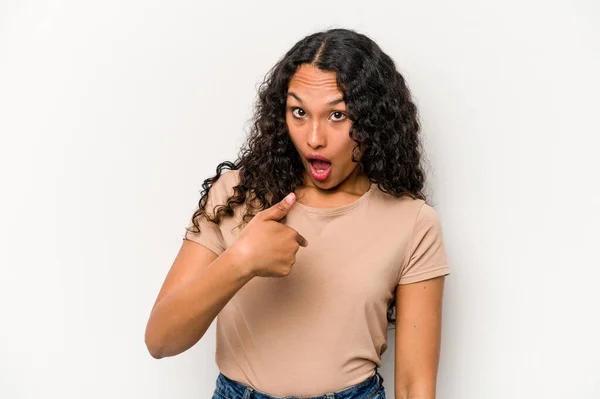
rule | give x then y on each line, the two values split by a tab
294	137
292	132
347	155
348	148
289	124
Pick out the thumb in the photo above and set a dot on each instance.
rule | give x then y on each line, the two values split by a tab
280	209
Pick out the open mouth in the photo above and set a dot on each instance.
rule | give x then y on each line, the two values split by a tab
320	170
320	166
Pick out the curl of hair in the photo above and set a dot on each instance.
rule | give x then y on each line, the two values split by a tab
385	126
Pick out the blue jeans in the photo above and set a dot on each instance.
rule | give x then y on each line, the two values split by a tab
371	388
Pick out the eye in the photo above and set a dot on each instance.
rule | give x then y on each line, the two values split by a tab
340	114
297	109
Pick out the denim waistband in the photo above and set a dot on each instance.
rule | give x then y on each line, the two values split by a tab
236	390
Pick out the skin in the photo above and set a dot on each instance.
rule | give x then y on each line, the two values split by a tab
199	283
418	338
317	127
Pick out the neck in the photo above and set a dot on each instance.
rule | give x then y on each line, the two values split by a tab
355	184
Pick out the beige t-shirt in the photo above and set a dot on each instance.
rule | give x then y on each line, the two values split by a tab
323	327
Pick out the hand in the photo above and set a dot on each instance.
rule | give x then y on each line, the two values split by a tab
267	247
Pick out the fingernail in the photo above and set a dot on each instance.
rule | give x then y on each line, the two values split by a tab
289	198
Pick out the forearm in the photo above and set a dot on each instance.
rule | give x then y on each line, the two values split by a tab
182	317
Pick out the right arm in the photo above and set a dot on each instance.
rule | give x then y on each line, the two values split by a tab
198	285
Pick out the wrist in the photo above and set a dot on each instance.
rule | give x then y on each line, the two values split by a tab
240	261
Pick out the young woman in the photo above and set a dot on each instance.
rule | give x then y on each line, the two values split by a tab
314	238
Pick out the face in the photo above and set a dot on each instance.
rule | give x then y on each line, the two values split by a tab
318	124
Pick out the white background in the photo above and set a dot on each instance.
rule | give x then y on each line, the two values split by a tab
113	113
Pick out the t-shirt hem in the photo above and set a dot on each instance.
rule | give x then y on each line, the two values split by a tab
443	270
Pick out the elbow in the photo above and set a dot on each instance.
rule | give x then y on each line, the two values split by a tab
154	349
159	346
166	341
153	343
154	352
424	391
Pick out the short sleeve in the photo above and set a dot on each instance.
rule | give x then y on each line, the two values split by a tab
210	235
427	254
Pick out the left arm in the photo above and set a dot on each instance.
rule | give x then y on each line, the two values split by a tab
418	337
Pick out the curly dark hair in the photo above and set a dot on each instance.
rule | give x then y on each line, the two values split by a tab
385	125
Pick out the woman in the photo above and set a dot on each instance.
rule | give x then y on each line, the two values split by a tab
304	290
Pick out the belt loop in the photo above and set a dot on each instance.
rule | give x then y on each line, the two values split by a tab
330	396
248	392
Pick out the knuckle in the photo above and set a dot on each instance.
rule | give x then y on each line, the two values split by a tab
302	239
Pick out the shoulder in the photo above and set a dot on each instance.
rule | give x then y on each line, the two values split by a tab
225	183
415	213
405	206
423	215
427	214
222	188
427	222
229	177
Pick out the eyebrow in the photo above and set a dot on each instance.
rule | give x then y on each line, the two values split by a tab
334	102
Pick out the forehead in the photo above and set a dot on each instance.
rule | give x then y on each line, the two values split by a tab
309	81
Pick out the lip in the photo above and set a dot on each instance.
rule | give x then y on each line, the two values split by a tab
311	157
320	176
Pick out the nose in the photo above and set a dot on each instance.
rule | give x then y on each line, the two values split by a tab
317	135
